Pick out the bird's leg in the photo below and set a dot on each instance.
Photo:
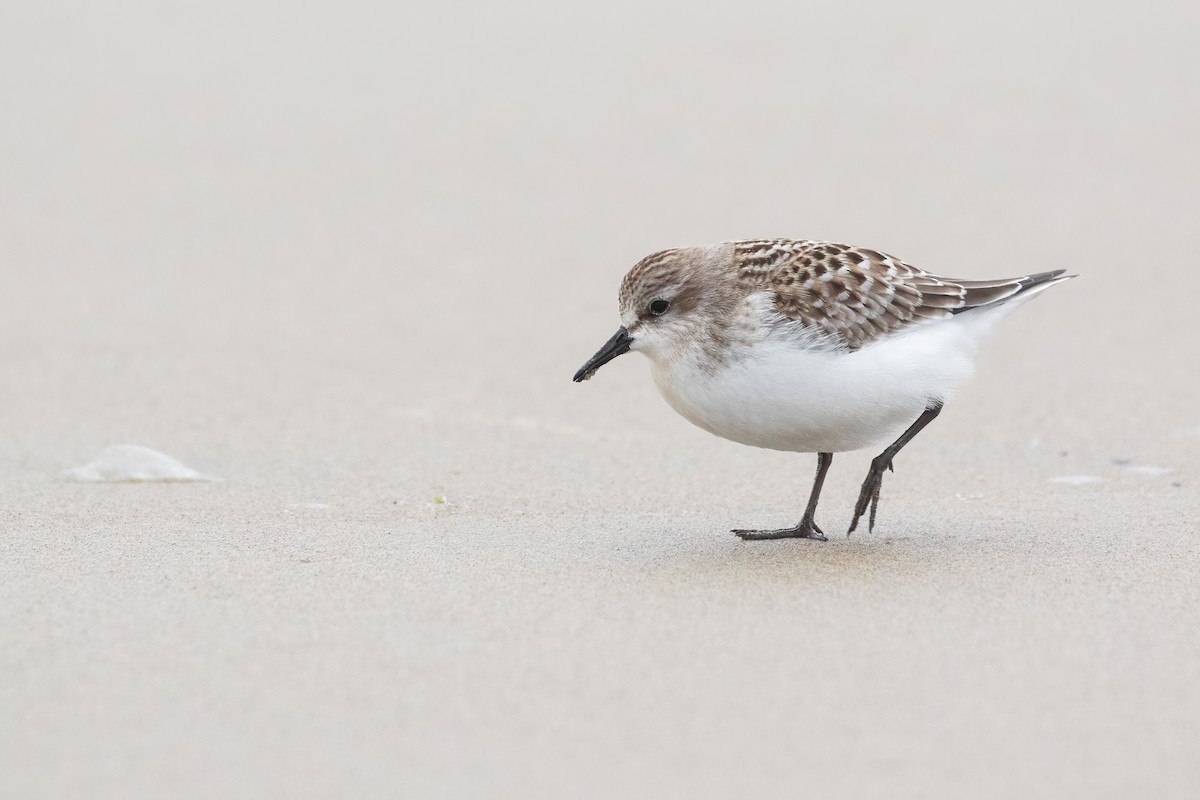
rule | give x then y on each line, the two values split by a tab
806	528
869	494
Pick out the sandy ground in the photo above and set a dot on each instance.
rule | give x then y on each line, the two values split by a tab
348	259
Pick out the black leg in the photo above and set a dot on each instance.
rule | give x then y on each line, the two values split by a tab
806	528
869	494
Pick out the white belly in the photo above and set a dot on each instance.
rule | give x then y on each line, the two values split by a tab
782	397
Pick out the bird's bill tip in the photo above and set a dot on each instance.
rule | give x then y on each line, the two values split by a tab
617	345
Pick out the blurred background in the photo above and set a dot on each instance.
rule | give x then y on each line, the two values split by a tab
347	256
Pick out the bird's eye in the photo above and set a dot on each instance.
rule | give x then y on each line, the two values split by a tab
659	307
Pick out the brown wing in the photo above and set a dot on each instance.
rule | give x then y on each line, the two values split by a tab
856	295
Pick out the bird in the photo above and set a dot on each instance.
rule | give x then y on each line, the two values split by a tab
807	346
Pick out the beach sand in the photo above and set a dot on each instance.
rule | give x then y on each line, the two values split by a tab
347	261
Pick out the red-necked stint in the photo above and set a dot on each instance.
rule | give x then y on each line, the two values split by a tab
806	346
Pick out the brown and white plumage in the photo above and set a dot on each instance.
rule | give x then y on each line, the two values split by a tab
804	345
858	295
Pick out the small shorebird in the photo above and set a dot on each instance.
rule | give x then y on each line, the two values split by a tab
805	346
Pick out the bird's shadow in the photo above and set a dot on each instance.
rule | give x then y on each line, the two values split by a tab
860	558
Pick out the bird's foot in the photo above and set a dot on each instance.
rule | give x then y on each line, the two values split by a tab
805	529
869	494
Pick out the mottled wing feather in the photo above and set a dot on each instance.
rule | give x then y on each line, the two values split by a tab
854	295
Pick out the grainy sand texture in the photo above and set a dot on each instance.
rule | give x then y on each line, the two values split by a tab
346	258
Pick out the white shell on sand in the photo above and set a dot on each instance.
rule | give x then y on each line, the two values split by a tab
133	463
1078	480
1149	471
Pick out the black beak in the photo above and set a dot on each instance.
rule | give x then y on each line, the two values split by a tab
614	347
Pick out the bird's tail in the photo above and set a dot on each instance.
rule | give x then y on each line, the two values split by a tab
988	302
985	294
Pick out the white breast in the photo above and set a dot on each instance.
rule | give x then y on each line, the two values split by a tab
779	395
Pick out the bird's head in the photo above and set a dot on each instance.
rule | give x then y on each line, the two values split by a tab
667	302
